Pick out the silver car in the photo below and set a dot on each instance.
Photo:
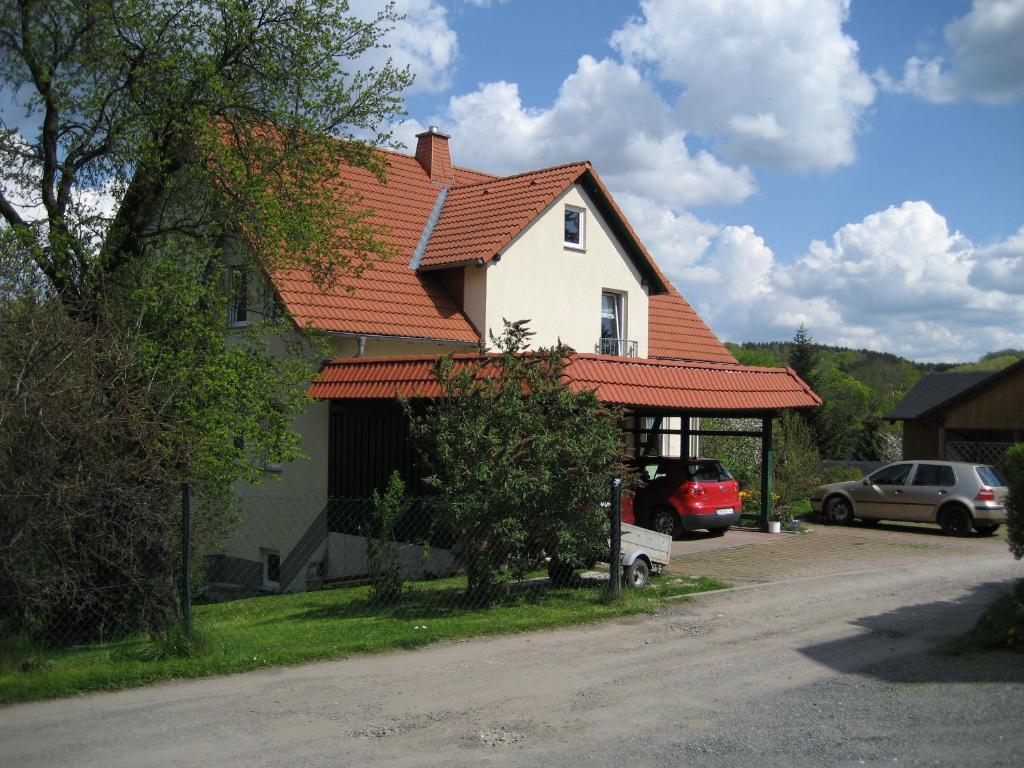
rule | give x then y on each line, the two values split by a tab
956	495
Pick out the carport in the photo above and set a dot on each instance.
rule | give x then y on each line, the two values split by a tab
661	399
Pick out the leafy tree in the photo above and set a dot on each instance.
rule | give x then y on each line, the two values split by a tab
796	457
1014	468
521	462
161	142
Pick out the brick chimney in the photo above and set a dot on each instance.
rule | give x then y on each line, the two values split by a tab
432	154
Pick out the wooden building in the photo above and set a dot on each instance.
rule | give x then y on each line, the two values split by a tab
973	416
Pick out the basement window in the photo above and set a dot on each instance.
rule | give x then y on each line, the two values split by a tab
575	227
271	568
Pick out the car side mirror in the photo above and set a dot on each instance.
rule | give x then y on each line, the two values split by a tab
866	482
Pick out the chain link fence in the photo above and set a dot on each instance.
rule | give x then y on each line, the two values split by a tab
86	567
85	570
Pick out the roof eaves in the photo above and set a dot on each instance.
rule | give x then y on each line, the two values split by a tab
657	283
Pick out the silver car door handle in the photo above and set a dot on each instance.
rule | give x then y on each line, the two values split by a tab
943	493
897	493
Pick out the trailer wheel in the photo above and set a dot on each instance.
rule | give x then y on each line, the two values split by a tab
637	574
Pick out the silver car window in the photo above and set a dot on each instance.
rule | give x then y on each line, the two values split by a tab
934	474
895	474
990	476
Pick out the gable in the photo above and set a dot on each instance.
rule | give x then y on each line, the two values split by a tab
559	287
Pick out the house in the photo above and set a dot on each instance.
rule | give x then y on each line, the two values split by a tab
973	416
549	245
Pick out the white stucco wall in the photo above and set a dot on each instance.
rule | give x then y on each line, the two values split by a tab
279	510
556	287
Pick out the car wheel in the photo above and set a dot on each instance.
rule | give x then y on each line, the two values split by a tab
955	521
719	531
986	529
637	574
839	511
665	520
560	572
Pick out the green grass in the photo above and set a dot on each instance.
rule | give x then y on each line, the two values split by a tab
1000	628
290	629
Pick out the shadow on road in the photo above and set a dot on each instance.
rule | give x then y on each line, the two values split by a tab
905	645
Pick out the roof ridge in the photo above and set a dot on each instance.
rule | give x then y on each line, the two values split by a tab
585	163
466	168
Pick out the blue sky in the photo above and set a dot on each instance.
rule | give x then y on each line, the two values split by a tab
854	165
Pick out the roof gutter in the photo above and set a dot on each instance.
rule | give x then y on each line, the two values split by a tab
411	339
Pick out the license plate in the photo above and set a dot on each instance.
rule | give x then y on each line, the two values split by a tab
726	511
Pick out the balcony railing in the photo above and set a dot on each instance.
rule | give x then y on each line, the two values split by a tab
619	347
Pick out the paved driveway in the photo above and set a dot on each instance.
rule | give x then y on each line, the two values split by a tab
744	557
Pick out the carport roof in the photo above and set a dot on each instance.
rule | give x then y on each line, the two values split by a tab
663	385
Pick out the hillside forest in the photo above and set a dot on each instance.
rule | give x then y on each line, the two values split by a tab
858	386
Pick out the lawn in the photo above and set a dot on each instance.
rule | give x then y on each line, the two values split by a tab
290	629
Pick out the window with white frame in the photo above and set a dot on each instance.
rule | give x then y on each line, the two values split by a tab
611	316
575	227
238	309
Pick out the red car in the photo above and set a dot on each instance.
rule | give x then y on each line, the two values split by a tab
681	495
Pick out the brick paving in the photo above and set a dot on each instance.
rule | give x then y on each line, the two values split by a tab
743	557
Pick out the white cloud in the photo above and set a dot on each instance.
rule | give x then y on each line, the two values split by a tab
775	83
986	52
605	112
899	281
422	40
678	240
1001	266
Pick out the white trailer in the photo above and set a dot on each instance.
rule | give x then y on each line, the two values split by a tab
642	553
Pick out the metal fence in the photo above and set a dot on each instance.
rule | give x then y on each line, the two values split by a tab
94	568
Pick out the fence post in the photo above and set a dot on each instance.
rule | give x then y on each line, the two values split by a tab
615	561
186	556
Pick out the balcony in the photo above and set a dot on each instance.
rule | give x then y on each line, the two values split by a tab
617	347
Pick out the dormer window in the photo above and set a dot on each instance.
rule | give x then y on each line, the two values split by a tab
575	227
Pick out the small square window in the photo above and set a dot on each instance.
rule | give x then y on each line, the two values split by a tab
575	227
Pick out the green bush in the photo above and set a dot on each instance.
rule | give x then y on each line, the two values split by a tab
839	473
382	549
1014	469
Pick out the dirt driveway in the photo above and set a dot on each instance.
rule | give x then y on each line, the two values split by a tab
820	671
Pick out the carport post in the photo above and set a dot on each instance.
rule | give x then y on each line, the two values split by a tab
767	481
615	559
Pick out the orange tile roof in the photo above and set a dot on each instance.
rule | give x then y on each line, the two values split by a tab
638	383
675	330
389	298
480	219
481	214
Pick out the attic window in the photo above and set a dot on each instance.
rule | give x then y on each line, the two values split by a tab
575	227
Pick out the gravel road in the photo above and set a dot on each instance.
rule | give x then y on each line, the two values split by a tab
809	672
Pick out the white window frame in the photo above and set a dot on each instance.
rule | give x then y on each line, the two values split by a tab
265	567
582	244
620	311
239	277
